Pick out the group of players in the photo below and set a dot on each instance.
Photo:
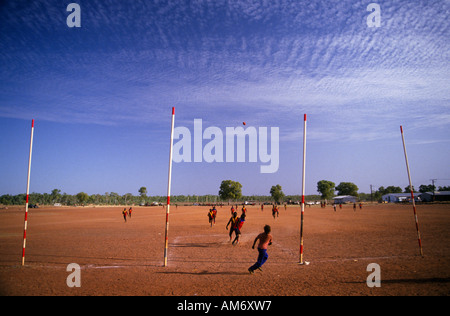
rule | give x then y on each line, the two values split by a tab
126	213
235	223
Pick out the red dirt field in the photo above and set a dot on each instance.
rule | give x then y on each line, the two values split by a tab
119	258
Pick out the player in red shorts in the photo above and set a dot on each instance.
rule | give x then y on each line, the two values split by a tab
233	221
240	223
212	216
274	210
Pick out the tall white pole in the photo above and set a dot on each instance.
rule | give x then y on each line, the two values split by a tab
166	245
28	194
412	193
303	189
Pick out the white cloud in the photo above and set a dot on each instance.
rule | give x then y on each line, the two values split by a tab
279	58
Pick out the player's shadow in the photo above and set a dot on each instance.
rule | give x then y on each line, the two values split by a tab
195	245
85	261
204	272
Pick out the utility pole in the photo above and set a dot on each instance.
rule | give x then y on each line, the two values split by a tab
434	189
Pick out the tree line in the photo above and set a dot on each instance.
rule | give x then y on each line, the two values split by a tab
328	188
112	198
229	191
232	190
108	198
127	199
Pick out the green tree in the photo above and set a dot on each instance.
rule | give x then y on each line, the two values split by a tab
56	195
114	198
143	192
347	188
389	189
6	199
82	197
230	190
408	189
127	198
277	193
35	198
326	188
95	199
427	188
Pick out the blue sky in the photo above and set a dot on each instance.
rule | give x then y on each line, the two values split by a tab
102	94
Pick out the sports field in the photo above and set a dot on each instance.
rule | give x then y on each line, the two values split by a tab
118	258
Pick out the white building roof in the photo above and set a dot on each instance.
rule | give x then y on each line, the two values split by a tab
343	197
399	194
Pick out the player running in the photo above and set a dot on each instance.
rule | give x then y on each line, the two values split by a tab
274	210
212	216
240	223
233	221
124	213
244	210
265	240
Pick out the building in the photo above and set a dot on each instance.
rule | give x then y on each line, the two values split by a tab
437	196
400	197
342	199
396	197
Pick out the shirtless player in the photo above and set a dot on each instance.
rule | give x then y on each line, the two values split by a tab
265	240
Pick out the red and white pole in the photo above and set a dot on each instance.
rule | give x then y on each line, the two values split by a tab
28	193
166	244
303	190
412	193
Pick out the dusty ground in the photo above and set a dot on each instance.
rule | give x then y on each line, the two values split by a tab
118	258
